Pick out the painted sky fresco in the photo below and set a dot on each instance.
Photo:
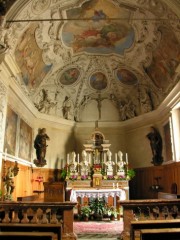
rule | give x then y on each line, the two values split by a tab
70	76
101	34
98	81
29	59
165	59
126	77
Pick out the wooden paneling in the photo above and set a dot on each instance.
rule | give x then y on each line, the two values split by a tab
140	186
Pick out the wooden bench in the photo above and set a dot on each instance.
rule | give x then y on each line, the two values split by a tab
27	235
56	229
153	224
160	234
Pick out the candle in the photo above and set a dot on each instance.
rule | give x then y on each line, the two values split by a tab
5	155
78	158
113	185
68	158
104	157
117	185
116	158
126	158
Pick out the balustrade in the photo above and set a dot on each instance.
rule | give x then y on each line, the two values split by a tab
149	214
55	217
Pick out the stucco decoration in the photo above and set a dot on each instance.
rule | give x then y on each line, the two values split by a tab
66	42
3	103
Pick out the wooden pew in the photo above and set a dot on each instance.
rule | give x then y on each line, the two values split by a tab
27	235
160	234
36	228
155	225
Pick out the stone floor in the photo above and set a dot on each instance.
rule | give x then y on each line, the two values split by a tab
98	236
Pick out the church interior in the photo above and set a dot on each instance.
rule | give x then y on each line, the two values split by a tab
90	114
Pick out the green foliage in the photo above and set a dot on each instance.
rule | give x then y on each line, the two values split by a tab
98	206
63	174
131	173
85	211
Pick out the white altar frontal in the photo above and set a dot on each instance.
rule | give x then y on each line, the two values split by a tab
117	194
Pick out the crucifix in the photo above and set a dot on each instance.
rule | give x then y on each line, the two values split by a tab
99	100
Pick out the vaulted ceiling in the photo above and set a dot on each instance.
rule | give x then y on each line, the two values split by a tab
119	57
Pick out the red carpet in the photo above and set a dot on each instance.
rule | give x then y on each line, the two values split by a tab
110	227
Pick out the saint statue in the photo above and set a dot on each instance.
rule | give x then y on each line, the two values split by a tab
156	146
40	146
120	163
84	164
109	163
73	163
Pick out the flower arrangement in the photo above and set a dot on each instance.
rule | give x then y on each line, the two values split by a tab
110	177
73	177
84	177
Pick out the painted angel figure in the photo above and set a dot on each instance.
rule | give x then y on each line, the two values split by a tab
9	181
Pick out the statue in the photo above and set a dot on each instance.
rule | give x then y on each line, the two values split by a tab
109	164
73	164
40	146
156	146
9	181
84	164
120	163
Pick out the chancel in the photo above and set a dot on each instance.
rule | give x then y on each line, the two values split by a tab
90	117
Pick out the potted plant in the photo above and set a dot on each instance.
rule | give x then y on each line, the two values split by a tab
112	212
130	174
85	212
97	206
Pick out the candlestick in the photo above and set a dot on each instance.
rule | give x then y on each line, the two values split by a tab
117	185
113	185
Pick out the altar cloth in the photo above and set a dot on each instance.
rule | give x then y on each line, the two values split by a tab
97	193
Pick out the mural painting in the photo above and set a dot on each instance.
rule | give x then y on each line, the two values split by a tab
70	76
102	32
165	59
29	59
25	141
98	81
10	131
126	77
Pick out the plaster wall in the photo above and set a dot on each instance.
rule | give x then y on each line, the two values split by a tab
66	136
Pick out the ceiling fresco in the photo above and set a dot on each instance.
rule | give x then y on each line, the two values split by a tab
78	56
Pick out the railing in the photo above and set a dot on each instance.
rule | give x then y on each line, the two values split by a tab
43	214
151	213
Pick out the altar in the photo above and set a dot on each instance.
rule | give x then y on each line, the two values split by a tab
96	173
117	194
